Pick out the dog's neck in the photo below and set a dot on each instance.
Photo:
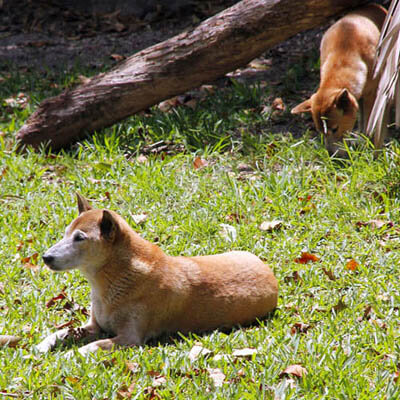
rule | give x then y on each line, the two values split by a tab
133	259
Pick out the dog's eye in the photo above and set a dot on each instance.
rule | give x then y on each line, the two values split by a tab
79	237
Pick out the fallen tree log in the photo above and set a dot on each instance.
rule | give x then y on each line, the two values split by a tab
218	45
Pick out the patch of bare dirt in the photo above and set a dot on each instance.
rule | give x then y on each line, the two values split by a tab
37	35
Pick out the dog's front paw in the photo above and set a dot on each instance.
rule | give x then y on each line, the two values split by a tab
83	351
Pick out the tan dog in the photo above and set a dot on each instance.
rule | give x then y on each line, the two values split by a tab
347	58
139	292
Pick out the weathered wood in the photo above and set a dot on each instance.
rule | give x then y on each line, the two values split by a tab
220	44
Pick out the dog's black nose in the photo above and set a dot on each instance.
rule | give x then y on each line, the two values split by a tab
48	259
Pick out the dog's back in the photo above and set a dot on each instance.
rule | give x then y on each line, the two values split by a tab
347	43
225	290
348	51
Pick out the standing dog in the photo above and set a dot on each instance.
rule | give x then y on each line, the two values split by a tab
139	292
347	59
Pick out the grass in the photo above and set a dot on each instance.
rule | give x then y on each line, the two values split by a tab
339	323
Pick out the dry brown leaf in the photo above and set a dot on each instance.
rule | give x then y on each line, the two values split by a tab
132	367
30	259
299	327
167	105
65	324
191	103
339	306
9	340
199	163
306	257
126	392
117	57
329	274
352	265
32	267
294	277
3	172
217	376
366	315
293	370
268	226
198	351
55	299
375	224
234	217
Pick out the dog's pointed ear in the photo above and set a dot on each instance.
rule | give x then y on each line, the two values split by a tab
108	226
345	101
83	204
303	107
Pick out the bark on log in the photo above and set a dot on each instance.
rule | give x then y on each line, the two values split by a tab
219	45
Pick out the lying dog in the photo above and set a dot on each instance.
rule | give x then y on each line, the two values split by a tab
139	292
347	58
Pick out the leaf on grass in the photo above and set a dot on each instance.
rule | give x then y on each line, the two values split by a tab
306	257
366	315
55	299
32	267
375	224
126	392
159	381
3	172
269	226
217	376
228	232
153	373
294	277
352	265
132	367
199	163
30	259
299	327
168	105
329	274
139	219
66	324
9	340
151	393
244	353
73	380
339	306
234	217
294	370
198	351
141	159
